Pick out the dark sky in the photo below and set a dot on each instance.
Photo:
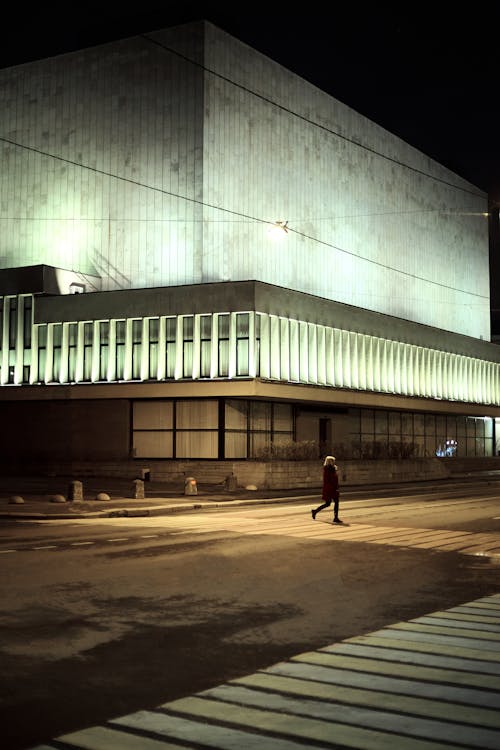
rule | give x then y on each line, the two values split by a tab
430	76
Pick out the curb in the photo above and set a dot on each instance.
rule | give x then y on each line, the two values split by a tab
145	512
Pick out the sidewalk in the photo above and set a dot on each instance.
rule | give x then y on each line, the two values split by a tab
39	496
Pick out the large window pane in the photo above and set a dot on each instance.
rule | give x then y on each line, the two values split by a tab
153	444
394	424
197	414
259	443
260	416
152	415
283	418
407	424
367	422
418	425
236	415
381	426
235	445
197	444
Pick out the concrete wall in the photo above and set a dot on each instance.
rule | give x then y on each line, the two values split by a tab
63	430
278	475
373	222
160	161
100	144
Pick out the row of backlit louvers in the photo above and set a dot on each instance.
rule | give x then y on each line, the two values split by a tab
232	345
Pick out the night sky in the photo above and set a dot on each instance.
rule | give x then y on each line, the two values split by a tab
431	78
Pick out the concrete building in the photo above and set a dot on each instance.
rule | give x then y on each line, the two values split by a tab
203	256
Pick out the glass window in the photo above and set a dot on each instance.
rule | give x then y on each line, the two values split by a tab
282	418
260	415
103	349
451	426
419	444
187	346
56	351
242	343
431	447
407	424
88	335
136	349
153	333
28	321
430	424
170	330
235	445
202	414
381	424
236	414
461	426
72	343
394	424
205	345
153	415
153	444
120	348
418	425
191	444
260	443
12	323
367	422
223	326
471	427
441	427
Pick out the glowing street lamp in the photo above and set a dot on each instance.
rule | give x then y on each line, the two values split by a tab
279	229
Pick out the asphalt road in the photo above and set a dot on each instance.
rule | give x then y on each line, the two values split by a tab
103	617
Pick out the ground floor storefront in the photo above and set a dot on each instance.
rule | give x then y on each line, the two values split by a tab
182	424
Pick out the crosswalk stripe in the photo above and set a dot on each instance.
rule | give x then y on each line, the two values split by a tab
424	625
110	738
359	663
207	734
409	653
468	696
412	684
362	697
315	730
457	620
442	642
376	719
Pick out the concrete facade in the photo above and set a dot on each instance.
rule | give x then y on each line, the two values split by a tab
147	310
165	159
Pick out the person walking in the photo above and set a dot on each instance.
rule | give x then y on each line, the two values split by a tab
330	489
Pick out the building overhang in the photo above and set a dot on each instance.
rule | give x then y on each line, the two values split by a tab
248	388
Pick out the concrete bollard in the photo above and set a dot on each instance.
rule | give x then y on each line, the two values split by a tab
75	492
138	489
190	486
230	483
16	500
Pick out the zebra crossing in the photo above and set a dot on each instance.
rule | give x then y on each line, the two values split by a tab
300	525
431	683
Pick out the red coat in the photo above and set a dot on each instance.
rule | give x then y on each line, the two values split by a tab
330	484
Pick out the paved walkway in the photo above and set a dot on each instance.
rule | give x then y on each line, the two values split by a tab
427	684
